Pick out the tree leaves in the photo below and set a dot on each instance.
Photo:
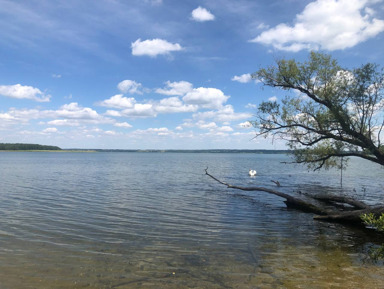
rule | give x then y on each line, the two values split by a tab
340	115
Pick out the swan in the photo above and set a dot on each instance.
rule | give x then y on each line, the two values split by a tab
252	173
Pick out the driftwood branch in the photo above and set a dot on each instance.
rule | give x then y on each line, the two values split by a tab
343	200
313	204
276	182
290	201
351	216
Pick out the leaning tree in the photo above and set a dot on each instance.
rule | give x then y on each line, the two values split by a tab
335	113
332	114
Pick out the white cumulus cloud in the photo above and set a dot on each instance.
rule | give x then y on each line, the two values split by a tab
225	114
225	128
113	113
6	117
67	115
251	106
74	111
50	130
201	14
173	105
110	132
176	88
162	131
23	92
130	86
123	124
326	24
206	125
211	98
118	101
245	124
140	110
154	47
64	122
244	78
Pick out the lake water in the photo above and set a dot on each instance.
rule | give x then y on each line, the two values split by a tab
154	220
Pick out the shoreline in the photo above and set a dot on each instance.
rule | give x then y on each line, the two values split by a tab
237	151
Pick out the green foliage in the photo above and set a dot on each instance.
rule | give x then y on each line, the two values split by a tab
24	146
377	253
373	221
334	113
378	223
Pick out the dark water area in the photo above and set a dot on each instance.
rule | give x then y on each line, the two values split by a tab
154	220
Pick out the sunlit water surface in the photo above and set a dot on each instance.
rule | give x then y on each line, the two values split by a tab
154	220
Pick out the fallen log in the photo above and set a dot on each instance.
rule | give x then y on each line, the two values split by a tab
352	216
290	201
344	200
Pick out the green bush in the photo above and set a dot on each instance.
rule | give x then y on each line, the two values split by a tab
377	223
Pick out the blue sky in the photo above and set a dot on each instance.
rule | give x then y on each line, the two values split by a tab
162	74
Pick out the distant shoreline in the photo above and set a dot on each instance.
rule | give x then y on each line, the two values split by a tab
49	151
261	151
24	147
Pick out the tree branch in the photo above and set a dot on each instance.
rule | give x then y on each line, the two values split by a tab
352	216
289	200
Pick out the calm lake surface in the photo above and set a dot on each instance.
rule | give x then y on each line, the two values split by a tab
154	220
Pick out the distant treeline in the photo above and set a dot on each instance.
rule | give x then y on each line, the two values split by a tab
26	147
37	147
260	151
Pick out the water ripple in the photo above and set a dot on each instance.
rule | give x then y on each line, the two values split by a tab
129	219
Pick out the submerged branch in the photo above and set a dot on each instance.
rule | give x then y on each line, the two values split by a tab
351	216
340	199
290	201
323	213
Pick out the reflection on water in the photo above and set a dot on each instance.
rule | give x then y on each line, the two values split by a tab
130	220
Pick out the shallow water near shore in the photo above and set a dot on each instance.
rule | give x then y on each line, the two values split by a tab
154	220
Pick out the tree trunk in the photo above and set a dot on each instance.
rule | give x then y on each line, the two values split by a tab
353	217
314	204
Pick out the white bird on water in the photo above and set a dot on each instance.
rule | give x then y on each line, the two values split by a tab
252	173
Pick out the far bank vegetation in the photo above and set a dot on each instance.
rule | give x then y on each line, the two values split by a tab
27	147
